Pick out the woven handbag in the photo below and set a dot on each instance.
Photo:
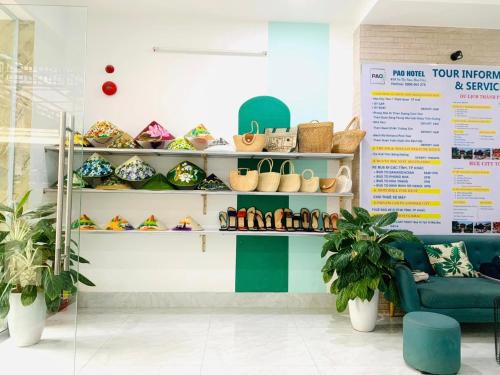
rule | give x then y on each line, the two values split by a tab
347	141
268	181
281	139
316	136
289	183
344	181
243	182
250	142
327	185
308	185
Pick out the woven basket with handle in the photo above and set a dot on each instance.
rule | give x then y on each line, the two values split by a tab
316	136
268	181
347	141
243	182
289	183
250	142
308	185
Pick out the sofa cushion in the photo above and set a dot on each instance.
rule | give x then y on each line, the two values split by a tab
455	293
450	260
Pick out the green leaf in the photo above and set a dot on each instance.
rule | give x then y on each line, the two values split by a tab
4	299
53	305
81	278
386	219
342	300
374	252
346	225
79	259
52	284
347	216
362	213
394	252
433	252
22	202
5	208
28	295
327	276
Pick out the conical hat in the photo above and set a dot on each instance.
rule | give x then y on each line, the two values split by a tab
213	183
102	133
78	140
78	181
185	175
95	166
188	223
84	223
181	144
157	182
118	223
135	169
113	183
123	140
150	224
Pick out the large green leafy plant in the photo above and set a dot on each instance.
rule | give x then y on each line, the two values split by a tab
362	255
27	252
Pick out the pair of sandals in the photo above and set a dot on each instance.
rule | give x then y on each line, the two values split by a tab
281	220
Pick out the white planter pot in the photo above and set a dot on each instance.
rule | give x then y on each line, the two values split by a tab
363	314
26	323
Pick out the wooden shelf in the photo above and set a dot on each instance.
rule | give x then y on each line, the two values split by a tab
214	154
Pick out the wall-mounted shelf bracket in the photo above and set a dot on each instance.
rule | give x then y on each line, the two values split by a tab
205	203
203	243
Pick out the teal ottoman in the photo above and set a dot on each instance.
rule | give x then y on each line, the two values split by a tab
431	343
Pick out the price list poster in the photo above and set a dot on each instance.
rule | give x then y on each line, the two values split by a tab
432	149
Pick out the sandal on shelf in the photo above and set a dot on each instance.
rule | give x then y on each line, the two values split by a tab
278	220
296	222
269	221
333	219
288	216
251	218
315	220
305	218
223	220
327	223
231	213
261	225
242	215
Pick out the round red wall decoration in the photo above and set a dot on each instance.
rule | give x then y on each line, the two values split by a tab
109	88
109	69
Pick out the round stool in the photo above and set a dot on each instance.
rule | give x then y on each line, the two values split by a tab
431	343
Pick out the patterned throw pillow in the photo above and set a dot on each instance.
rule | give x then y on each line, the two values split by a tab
450	260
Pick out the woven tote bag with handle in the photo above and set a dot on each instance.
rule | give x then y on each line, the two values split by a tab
347	141
289	183
316	137
268	181
243	182
308	185
281	139
344	181
250	142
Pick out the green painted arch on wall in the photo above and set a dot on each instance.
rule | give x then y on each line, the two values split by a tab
268	111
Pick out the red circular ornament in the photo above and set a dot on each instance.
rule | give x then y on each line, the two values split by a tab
109	69
109	88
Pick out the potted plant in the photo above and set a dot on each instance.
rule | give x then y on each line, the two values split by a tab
362	256
28	286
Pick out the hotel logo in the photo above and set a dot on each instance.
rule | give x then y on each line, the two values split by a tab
377	76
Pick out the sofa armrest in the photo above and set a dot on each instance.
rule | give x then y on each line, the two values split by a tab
407	288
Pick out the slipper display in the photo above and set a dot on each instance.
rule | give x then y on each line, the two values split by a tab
157	182
84	223
123	140
185	176
78	140
181	144
212	183
135	170
78	181
113	183
95	166
199	137
154	136
150	224
102	133
118	223
188	224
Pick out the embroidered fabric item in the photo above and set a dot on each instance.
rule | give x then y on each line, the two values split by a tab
95	166
450	260
135	169
118	223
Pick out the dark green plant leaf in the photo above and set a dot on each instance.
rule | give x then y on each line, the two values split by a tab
386	219
327	276
52	284
79	259
28	295
362	214
4	299
22	202
346	225
53	305
79	277
394	252
374	252
347	216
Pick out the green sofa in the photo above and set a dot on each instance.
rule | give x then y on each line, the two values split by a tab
468	300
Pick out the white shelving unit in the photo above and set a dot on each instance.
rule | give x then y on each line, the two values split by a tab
203	232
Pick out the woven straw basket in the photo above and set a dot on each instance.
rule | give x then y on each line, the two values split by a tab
243	182
347	141
289	183
327	185
316	136
308	185
281	139
250	142
268	181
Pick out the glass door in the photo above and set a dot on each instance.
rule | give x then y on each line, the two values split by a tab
42	65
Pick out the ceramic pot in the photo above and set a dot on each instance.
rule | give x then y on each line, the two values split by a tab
363	314
26	323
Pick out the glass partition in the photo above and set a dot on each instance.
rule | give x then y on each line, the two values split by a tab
42	65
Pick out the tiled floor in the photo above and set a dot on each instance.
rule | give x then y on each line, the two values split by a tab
228	341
